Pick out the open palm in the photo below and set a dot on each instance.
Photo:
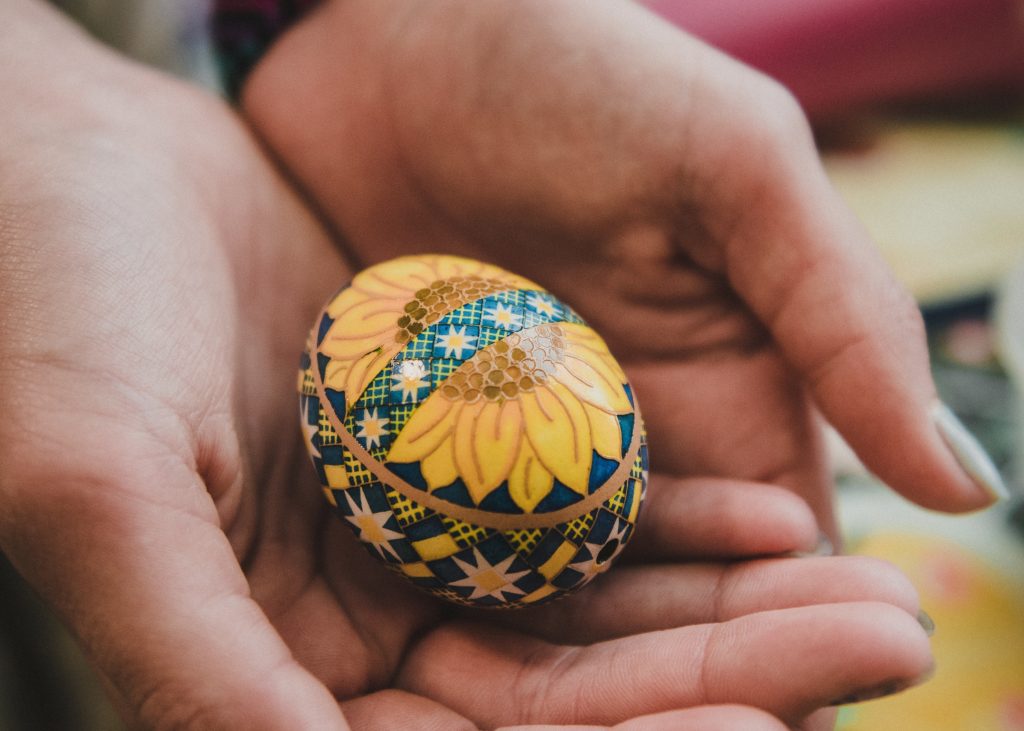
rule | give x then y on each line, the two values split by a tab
158	280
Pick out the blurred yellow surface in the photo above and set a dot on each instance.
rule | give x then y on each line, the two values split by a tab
944	202
978	643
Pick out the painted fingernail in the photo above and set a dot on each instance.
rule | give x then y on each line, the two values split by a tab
927	623
968	452
890	687
879	691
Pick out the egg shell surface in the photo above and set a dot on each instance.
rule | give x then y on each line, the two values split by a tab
474	432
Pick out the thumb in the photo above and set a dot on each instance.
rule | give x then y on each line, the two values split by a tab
149	584
809	271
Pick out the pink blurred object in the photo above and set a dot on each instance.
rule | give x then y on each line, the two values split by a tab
840	55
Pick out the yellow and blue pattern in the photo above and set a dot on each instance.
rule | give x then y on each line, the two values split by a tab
473	431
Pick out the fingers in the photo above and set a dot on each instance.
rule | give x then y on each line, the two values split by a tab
391	709
857	339
710	517
682	140
705	718
749	419
149	584
788	662
635	599
810	272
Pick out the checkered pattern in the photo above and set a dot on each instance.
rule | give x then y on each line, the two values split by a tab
400	414
357	472
439	362
490	335
440	369
307	387
524	541
468	314
326	433
420	347
453	559
576	530
378	392
514	297
542	563
617	501
442	554
465	534
406	511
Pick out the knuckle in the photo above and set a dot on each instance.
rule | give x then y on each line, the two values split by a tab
781	119
884	579
907	314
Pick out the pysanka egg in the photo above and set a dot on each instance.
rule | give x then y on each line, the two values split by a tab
473	431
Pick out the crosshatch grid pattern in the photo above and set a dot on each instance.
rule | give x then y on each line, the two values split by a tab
449	557
470	564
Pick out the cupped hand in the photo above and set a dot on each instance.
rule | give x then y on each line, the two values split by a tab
673	196
157	278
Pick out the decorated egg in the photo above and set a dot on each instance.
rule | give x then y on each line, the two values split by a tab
473	430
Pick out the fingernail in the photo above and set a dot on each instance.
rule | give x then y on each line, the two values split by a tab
927	623
890	687
823	547
968	452
879	691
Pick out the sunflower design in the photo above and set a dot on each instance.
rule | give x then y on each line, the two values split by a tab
474	432
524	411
386	307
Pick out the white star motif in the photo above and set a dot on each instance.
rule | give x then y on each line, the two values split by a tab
408	378
455	341
372	427
487	579
371	526
591	567
541	305
502	316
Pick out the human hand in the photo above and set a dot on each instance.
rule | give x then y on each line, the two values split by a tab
156	282
671	195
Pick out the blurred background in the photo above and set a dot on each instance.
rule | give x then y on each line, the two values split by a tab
919	110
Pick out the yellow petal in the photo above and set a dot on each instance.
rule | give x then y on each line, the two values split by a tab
559	432
366	313
438	468
496	438
466	458
605	431
427	429
350	349
592	386
591	372
362	372
364	316
585	338
529	482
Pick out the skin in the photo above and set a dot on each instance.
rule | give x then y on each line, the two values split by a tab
158	275
581	143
